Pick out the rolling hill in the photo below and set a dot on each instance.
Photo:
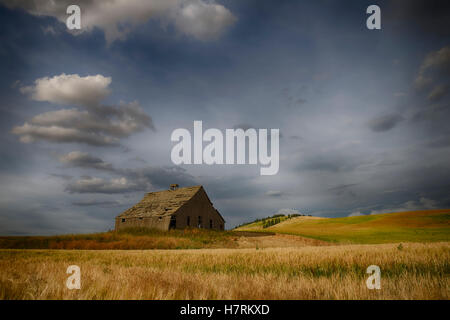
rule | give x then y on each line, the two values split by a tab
411	226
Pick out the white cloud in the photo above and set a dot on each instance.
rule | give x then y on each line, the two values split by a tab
200	19
274	193
99	185
62	117
355	214
97	125
30	133
70	89
287	211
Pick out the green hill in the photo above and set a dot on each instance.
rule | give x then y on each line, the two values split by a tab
412	226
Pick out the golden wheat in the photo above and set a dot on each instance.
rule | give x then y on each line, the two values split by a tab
410	271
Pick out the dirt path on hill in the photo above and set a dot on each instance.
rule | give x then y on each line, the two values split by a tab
272	240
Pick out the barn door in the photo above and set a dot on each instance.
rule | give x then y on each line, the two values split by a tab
173	222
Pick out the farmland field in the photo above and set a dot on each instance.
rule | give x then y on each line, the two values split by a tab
414	226
410	271
296	258
153	239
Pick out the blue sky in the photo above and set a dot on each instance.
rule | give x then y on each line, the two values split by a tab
363	114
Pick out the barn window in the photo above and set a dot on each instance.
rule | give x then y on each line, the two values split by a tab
123	220
199	221
188	221
210	224
140	218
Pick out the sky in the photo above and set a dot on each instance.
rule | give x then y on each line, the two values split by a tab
87	115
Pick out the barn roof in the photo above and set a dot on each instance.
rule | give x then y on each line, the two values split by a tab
161	203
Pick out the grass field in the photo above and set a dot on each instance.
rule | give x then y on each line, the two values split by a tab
415	226
412	271
298	258
137	238
154	239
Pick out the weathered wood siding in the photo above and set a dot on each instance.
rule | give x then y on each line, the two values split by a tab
199	206
160	223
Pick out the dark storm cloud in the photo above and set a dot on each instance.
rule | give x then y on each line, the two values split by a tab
431	110
96	203
436	113
310	68
329	162
38	219
300	101
441	142
132	180
65	177
344	190
324	164
160	177
439	92
432	81
427	181
85	160
232	187
385	123
434	69
124	180
430	17
243	126
342	187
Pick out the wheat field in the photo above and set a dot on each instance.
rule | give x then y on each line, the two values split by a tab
408	271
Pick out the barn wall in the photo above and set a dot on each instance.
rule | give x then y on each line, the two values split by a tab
146	222
199	205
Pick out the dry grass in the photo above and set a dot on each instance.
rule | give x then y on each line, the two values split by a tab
137	239
252	240
413	271
133	238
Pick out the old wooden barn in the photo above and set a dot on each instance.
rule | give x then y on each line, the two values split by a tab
176	208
